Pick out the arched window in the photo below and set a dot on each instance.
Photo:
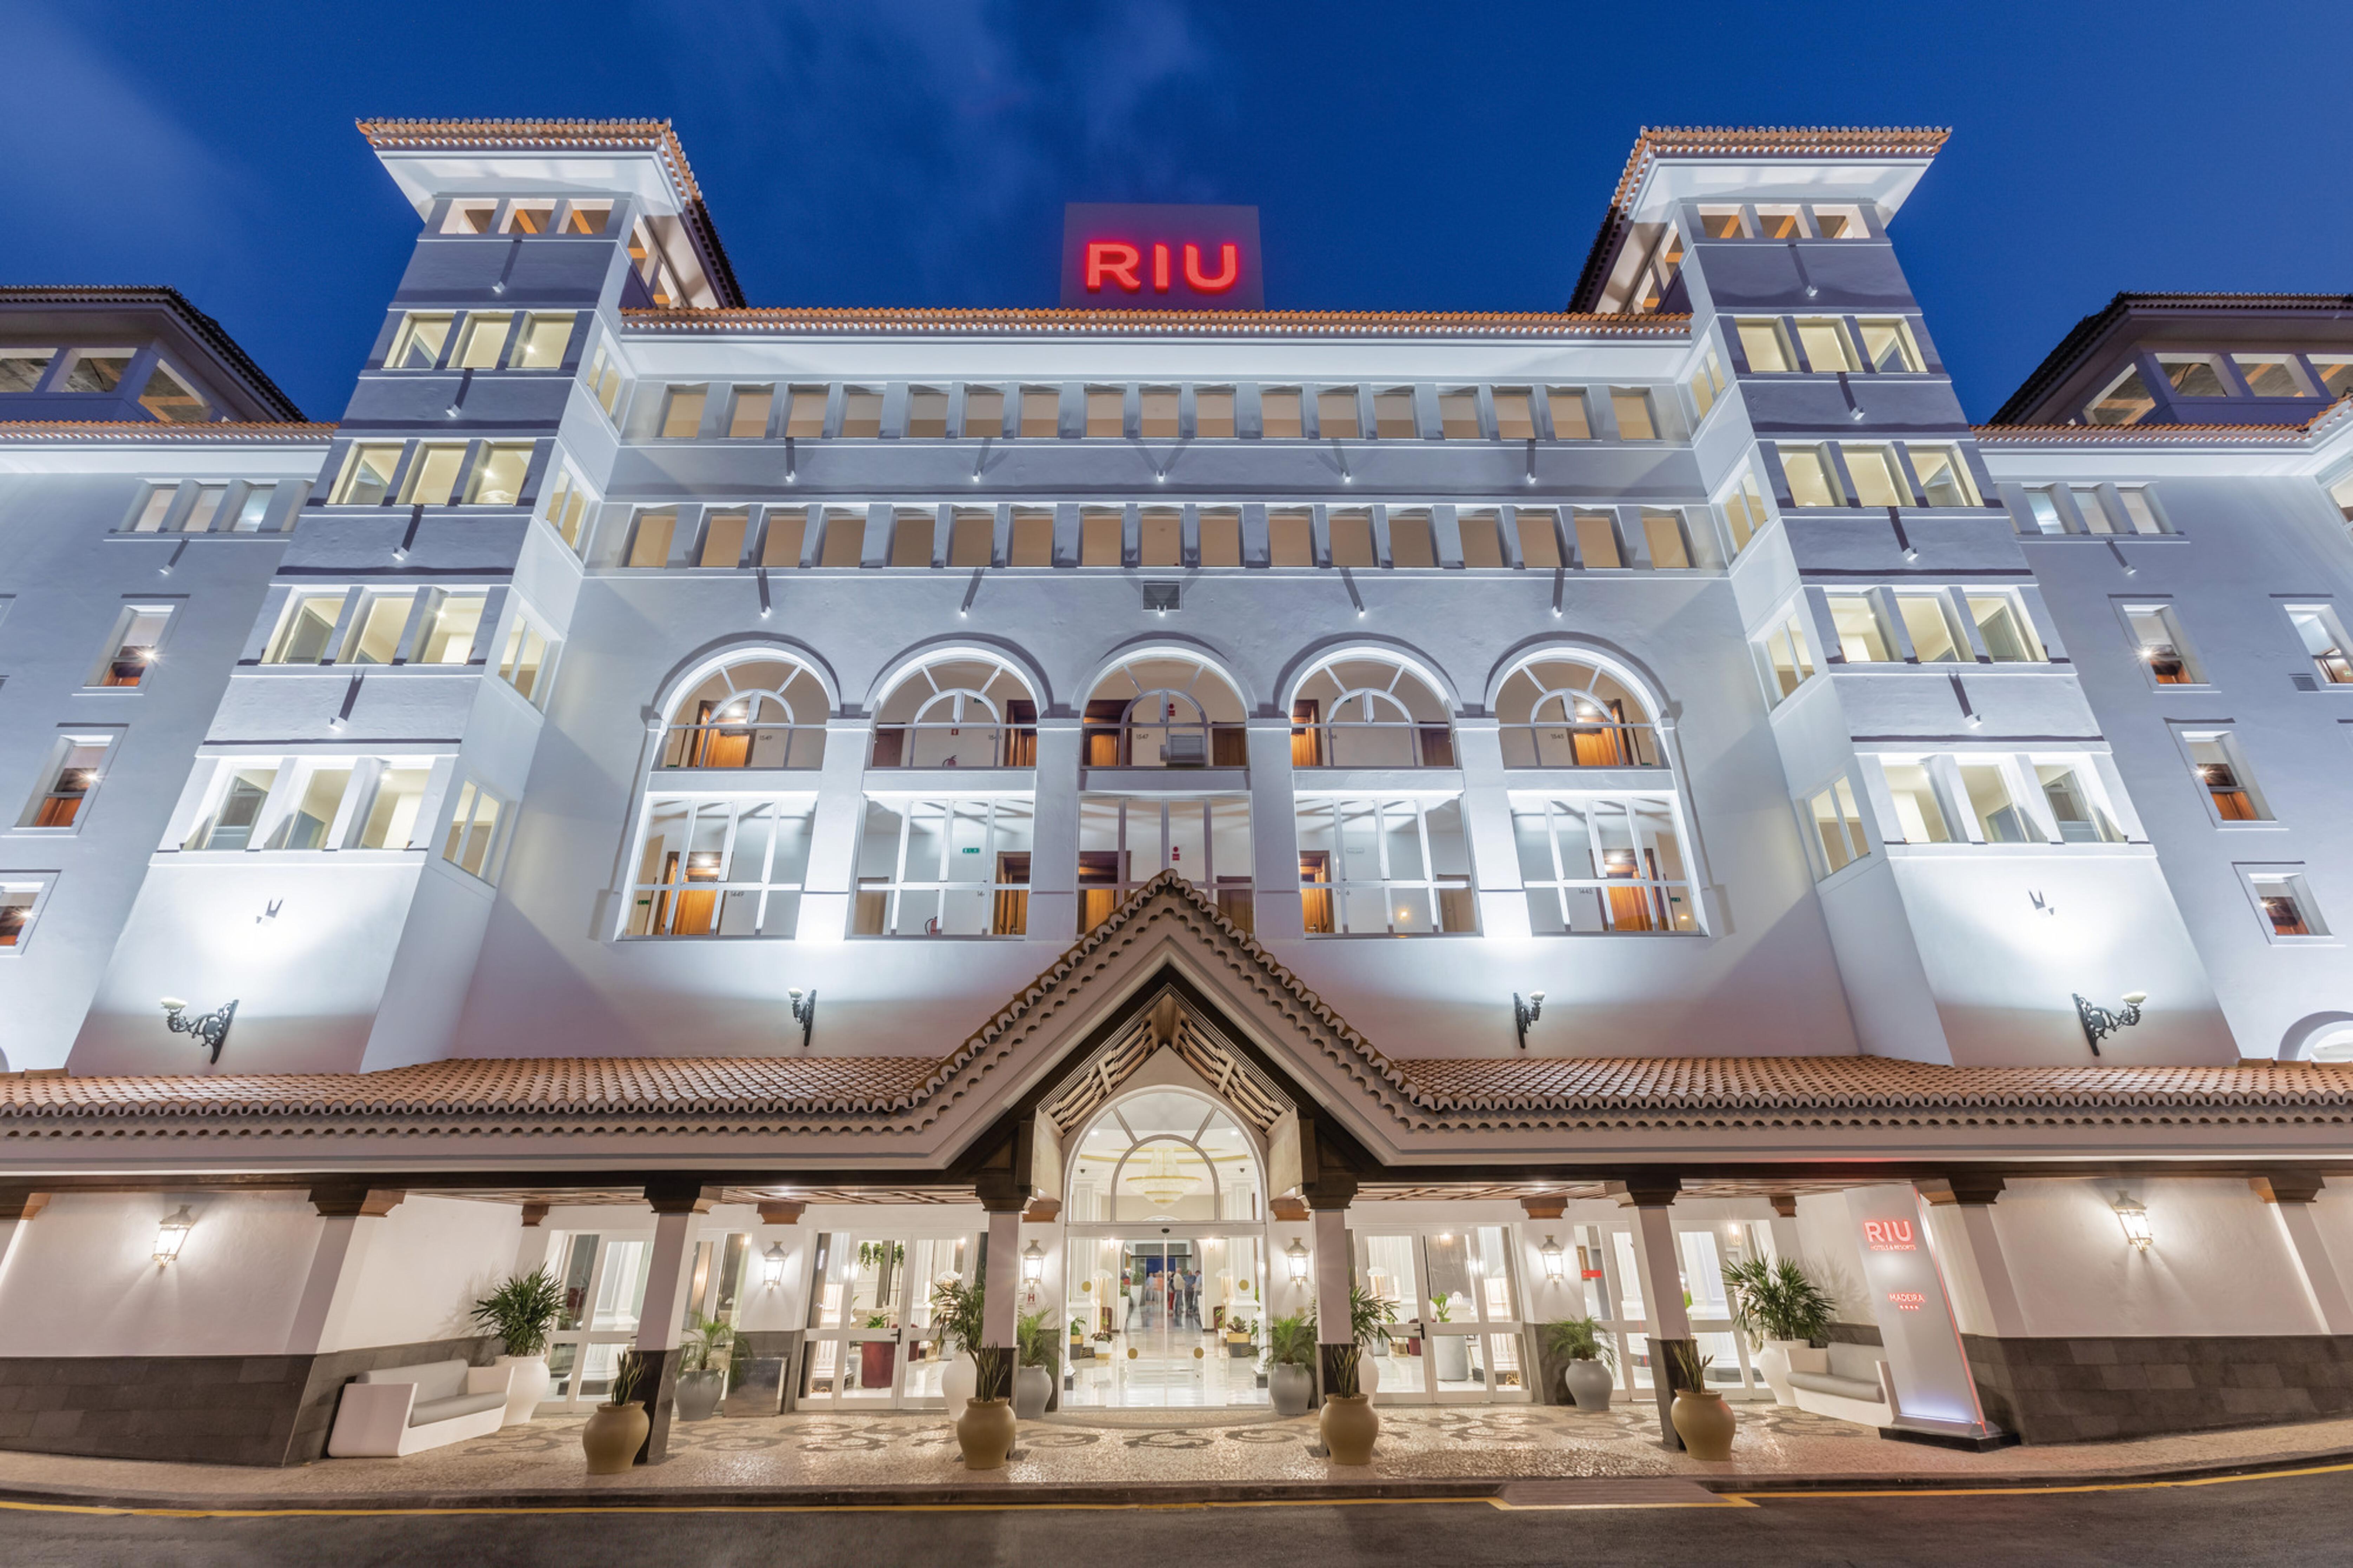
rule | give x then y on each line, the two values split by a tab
1165	711
758	712
1561	712
1164	1154
961	711
1368	711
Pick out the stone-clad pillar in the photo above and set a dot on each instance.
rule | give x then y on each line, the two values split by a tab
668	1272
1328	1198
1668	1324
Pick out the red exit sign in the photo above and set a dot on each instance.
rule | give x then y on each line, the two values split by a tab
1159	258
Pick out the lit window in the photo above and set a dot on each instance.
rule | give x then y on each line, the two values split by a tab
1876	483
1159	417
2285	901
1570	419
2076	805
76	764
806	420
306	629
1743	510
1808	470
2043	507
474	831
541	343
1458	416
1126	840
1042	412
1944	477
724	533
377	629
971	712
499	472
862	414
1985	790
927	412
1384	867
1928	621
1556	712
1279	414
2324	641
1213	414
1515	418
20	910
433	474
747	413
944	867
1602	865
984	413
2222	772
131	650
1860	637
318	795
21	369
566	509
784	535
603	379
238	795
451	626
758	712
1367	711
367	475
1106	413
1337	416
722	868
96	370
171	399
1888	345
650	540
1765	345
482	341
2003	628
1784	658
2271	375
2157	637
1824	341
2128	401
1706	383
1919	808
390	820
1596	541
1836	839
252	508
681	413
2194	375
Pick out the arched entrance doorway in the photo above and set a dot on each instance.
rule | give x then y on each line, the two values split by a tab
1165	1255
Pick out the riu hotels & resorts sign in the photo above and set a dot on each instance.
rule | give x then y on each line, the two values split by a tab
1161	259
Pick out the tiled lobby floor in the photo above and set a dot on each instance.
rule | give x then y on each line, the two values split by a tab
1133	1448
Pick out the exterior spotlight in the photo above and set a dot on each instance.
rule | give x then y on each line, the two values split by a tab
1296	1256
1033	1263
1552	1258
209	1028
771	1265
1527	1013
2098	1022
2135	1219
171	1233
804	1012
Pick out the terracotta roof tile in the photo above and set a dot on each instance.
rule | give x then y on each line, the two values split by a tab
244	432
2024	436
1065	322
174	304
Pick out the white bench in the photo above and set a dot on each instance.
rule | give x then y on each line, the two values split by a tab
397	1410
1851	1382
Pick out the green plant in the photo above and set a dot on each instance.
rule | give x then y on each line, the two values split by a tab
708	1341
1580	1339
871	1254
1341	1368
1369	1318
522	1311
956	1306
1689	1366
1441	1308
878	1319
628	1373
1291	1342
1778	1301
993	1369
1035	1336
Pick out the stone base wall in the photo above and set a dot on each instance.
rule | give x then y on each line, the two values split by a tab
2075	1390
223	1410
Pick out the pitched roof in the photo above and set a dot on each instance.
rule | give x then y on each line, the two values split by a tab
2000	437
173	303
1056	322
2086	334
237	432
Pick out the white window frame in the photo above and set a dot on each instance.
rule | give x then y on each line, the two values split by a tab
2253	875
2226	736
899	886
1665	899
40	884
764	889
464	801
1427	888
123	621
1856	817
109	741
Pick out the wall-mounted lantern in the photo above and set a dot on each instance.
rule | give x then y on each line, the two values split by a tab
171	1234
1553	1261
771	1265
2135	1219
1296	1256
1033	1263
1527	1013
804	1012
209	1028
2098	1022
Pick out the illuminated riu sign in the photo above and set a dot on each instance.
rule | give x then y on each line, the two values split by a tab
1161	259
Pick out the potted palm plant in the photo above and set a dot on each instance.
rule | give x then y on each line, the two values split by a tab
1702	1420
1349	1424
1291	1360
985	1429
1033	1385
520	1313
616	1429
1783	1312
1590	1353
703	1368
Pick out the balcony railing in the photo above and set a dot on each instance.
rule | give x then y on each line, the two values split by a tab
1581	746
1097	900
1376	745
955	746
942	908
1609	904
781	746
1166	745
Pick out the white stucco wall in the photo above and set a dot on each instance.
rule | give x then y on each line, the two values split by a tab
426	1263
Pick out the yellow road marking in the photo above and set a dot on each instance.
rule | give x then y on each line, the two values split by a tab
2052	1490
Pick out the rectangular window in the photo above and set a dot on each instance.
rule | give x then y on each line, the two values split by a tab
156	507
1780	222
1919	810
724	533
911	538
2157	638
374	636
1876	483
2043	507
1221	536
862	414
2285	900
649	541
1515	417
2138	509
1985	786
927	412
524	663
1888	344
418	343
1596	541
1632	406
2194	375
96	370
450	626
530	218
1106	413
1824	342
1481	536
567	508
1663	532
944	867
1571	421
1393	417
1159	420
2222	772
1787	663
2003	627
1458	416
785	535
1602	865
253	509
482	340
1944	477
2335	374
1743	510
2076	805
1836	839
604	378
499	469
540	346
236	808
1279	414
131	648
76	765
1042	412
845	539
2128	401
1336	413
472	841
1706	384
1160	537
1398	866
722	868
1928	621
367	474
2271	375
306	629
21	898
1126	840
1539	531
21	369
1213	413
1808	473
1722	223
1765	345
1410	543
2323	636
206	509
682	414
320	795
747	413
1099	536
1033	539
972	539
984	413
805	413
1855	619
1351	538
1291	539
433	474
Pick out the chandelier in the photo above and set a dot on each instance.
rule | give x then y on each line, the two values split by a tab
1162	1184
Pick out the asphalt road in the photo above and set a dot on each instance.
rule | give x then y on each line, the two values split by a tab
2268	1520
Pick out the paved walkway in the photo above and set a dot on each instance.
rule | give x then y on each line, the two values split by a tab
812	1457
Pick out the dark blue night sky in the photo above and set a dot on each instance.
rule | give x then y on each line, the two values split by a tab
1431	155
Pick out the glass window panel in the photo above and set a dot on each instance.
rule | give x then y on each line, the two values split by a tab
21	369
805	419
1944	479
1872	470
2193	377
449	634
2003	628
1808	476
1856	622
1596	541
784	532
433	474
382	618
367	474
498	474
1926	623
543	341
1336	413
1279	414
1824	342
303	632
1221	538
1632	406
1539	533
983	412
1919	817
2128	401
1041	412
1213	414
1159	410
96	370
862	414
1765	345
482	340
1570	419
927	412
1888	344
1515	418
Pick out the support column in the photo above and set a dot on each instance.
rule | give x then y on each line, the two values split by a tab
18	1206
1984	1294
331	1288
1328	1199
668	1272
1667	1323
2290	1199
530	1249
1054	850
1000	1315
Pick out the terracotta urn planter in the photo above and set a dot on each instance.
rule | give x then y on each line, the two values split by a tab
613	1435
984	1433
1350	1424
1589	1384
1290	1388
1703	1421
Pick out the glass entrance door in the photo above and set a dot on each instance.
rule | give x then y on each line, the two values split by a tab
1459	1337
872	1341
604	1282
1152	1321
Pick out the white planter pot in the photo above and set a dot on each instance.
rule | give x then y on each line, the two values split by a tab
527	1389
1368	1375
1772	1365
1452	1353
1033	1386
1589	1384
957	1381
